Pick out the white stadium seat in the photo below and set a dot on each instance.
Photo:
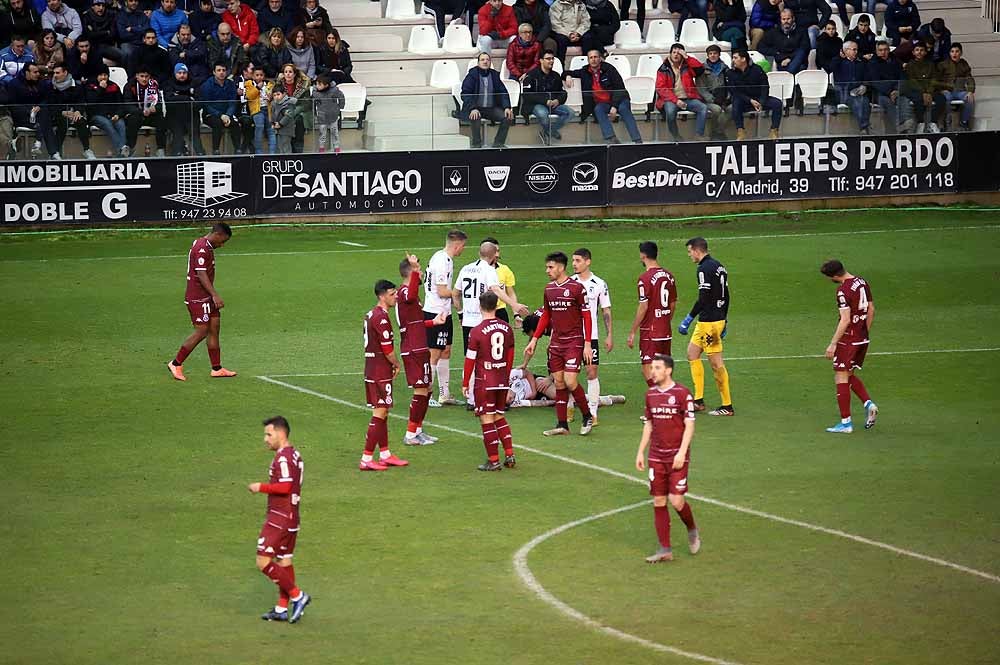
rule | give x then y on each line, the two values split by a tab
445	74
423	40
622	64
661	34
649	63
578	62
458	40
355	95
781	85
695	35
119	76
401	10
641	90
514	90
629	35
813	83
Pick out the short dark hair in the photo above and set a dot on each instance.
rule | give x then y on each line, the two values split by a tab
325	79
404	268
546	52
488	301
383	286
220	64
649	249
713	47
17	38
677	45
492	240
698	243
529	324
937	24
742	52
832	268
144	32
864	19
456	234
583	252
278	422
830	22
957	45
142	69
223	228
601	52
557	257
85	37
60	65
665	359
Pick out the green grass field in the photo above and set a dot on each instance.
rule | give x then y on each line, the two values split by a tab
130	535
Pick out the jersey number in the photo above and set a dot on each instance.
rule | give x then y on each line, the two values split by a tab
206	307
665	294
470	288
496	345
364	330
862	300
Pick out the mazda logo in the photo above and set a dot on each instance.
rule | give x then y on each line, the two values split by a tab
585	173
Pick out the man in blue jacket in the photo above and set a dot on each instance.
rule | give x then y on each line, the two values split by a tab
166	20
484	96
131	23
749	88
218	97
14	58
902	20
849	78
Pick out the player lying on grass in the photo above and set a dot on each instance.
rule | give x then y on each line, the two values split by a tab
528	390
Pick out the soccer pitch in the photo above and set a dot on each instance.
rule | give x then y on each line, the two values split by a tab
131	536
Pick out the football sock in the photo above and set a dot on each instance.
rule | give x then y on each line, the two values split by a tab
562	396
491	441
859	389
698	378
418	409
383	437
444	381
374	435
506	438
384	454
844	400
295	594
182	354
433	375
215	357
282	605
687	517
661	517
580	397
281	577
594	395
722	383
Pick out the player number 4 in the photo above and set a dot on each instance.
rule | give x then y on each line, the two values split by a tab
862	300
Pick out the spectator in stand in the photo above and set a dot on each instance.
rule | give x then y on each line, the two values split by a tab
220	7
105	100
68	108
712	88
14	58
810	15
190	51
218	97
316	21
271	53
885	75
275	15
604	23
296	84
902	20
258	94
244	24
828	46
83	63
787	43
440	9
99	24
49	51
28	107
765	15
302	52
497	25
334	58
543	96
165	22
677	91
327	102
689	9
65	21
923	88
536	13
22	19
731	23
130	24
938	33
640	12
605	96
244	118
484	97
523	53
570	23
226	48
958	85
747	84
850	81
183	121
142	108
284	119
842	9
864	37
205	21
152	57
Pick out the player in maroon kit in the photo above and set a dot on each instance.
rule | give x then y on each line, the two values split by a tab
381	367
657	300
413	348
667	432
490	355
203	303
564	306
276	543
849	345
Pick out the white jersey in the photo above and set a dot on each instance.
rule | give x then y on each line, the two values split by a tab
598	298
521	387
474	280
438	271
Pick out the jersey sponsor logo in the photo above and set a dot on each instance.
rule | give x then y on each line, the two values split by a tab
204	184
566	293
655	172
496	177
585	177
541	178
672	400
454	180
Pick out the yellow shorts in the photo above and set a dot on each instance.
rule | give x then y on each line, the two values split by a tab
708	336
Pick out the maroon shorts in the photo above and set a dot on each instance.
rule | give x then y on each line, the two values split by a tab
378	394
489	402
418	369
201	312
664	479
848	357
566	359
649	348
276	541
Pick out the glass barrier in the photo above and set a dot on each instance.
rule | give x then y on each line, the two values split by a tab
448	122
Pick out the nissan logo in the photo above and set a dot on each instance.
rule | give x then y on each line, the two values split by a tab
541	178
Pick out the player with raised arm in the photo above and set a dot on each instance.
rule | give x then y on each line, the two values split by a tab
437	299
655	311
276	544
849	344
667	431
712	309
203	303
381	367
490	358
413	349
598	298
564	307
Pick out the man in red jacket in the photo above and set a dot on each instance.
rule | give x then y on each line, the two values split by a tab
523	53
243	22
497	23
676	90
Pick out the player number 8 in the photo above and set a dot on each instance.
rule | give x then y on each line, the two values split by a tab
496	345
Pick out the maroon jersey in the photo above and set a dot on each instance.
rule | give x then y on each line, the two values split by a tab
201	258
566	306
855	294
410	317
491	347
378	343
658	288
667	410
283	509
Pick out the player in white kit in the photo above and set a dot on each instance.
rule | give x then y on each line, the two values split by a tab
598	298
438	298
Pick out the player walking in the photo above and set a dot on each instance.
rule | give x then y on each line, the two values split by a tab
413	349
490	357
276	544
437	299
381	367
653	315
598	297
203	303
711	308
564	306
668	429
849	345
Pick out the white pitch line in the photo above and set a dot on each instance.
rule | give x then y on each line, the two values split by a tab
352	244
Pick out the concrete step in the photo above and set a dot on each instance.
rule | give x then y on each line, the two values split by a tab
402	143
438	124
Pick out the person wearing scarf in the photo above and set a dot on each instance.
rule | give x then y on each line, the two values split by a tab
523	53
67	106
484	97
